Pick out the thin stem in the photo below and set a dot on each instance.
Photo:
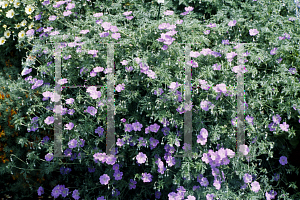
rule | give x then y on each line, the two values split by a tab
26	169
18	158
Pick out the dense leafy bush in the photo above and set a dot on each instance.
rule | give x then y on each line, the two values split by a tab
261	66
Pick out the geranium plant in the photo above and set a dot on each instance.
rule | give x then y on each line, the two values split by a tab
154	122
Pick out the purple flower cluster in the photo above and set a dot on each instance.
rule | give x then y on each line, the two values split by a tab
283	160
92	110
173	88
210	196
91	169
38	17
153	143
99	130
165	130
292	19
93	91
254	140
276	120
220	88
137	127
144	69
205	105
72	144
249	119
205	52
40	191
204	84
146	177
279	60
118	174
102	157
180	194
142	142
35	124
230	56
239	68
115	192
253	32
75	194
132	184
36	83
104	179
120	142
293	70
108	27
218	158
128	13
110	159
26	71
273	51
157	194
216	67
225	42
61	190
64	170
271	195
69	126
45	140
166	37
49	157
30	32
214	159
276	177
285	36
141	158
255	187
202	137
161	168
232	23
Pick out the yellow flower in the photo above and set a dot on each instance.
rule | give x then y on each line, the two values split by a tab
21	34
17	4
23	23
31	25
4	26
7	34
10	13
4	4
29	9
18	26
2	40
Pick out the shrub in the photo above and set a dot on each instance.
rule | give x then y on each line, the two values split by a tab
258	147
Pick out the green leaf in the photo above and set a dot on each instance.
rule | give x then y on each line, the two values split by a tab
22	141
160	184
33	156
293	185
